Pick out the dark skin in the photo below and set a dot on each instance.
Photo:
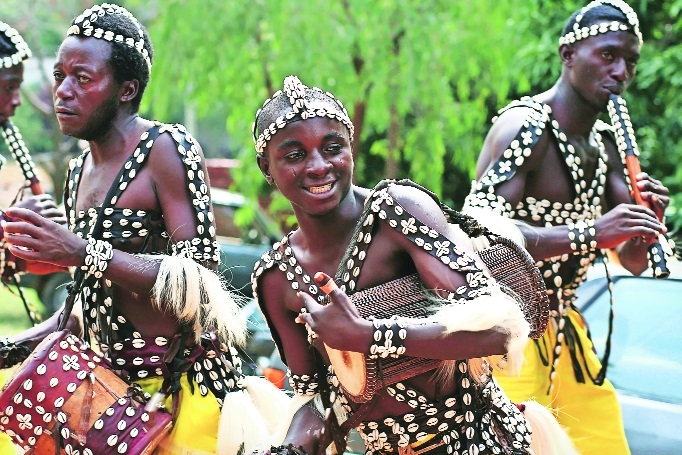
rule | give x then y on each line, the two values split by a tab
593	69
10	100
10	97
311	164
90	103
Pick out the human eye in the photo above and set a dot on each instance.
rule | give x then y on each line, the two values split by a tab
58	76
607	55
334	148
293	155
82	79
632	62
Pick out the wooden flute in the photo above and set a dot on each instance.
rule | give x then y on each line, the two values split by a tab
18	149
627	146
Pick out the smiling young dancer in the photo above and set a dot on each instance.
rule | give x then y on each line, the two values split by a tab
369	239
550	162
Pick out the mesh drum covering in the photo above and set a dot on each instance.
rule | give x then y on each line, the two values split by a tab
509	264
513	268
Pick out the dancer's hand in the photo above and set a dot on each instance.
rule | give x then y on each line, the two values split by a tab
338	324
654	192
34	238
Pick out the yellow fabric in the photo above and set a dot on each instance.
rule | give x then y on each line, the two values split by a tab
590	413
196	429
6	446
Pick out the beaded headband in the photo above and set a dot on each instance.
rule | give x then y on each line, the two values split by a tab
303	103
578	33
84	25
22	53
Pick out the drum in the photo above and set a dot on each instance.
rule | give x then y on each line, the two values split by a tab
64	399
511	266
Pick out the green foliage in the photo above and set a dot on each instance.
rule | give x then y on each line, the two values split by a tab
430	69
427	76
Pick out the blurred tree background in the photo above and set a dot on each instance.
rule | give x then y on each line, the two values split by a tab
420	79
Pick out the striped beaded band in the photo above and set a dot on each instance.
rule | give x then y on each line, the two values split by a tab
22	53
389	338
303	384
578	33
84	25
305	102
98	253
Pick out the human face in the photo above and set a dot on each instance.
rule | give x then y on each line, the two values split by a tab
602	65
311	163
85	93
10	98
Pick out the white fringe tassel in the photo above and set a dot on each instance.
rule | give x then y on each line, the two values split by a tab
548	437
251	419
198	295
498	311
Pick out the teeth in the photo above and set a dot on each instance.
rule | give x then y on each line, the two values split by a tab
320	189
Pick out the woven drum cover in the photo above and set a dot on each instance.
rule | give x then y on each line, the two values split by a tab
64	399
514	268
404	296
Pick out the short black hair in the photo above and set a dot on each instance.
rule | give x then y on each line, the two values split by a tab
597	15
7	47
127	62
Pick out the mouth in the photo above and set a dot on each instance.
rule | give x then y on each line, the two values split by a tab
615	89
320	189
62	111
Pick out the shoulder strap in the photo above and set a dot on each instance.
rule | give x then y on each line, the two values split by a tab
382	205
521	146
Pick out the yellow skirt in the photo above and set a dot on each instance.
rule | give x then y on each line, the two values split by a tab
6	446
590	413
196	428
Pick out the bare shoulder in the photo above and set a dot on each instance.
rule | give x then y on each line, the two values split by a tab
166	158
420	205
505	129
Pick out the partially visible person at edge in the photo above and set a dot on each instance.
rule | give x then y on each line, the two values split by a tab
550	162
368	238
13	52
147	181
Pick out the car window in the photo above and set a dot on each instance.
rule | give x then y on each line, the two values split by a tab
226	227
646	358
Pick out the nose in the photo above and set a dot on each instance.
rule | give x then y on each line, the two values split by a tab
62	89
16	98
318	164
620	70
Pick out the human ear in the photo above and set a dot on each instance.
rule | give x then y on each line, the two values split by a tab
264	166
566	52
129	90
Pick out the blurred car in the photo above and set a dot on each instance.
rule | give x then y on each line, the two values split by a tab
240	248
645	365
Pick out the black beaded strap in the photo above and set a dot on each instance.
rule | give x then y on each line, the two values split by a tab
583	235
389	338
304	384
11	352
